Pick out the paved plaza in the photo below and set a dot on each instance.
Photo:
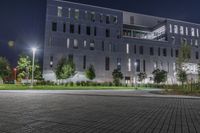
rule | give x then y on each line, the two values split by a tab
96	112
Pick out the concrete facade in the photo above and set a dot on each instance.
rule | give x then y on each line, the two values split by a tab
110	39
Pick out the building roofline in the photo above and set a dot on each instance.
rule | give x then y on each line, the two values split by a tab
118	10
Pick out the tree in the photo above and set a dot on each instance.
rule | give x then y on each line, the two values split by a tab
90	72
24	68
182	76
160	76
5	69
142	76
117	77
184	56
65	69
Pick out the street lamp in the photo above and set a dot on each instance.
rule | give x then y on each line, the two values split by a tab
135	64
33	63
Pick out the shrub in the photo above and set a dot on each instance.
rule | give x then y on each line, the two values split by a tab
71	83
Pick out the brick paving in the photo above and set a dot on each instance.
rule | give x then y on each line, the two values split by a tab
63	113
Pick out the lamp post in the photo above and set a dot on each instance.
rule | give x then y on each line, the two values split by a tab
15	75
33	65
135	64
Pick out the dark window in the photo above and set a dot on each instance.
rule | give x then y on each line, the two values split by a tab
84	62
95	31
71	28
177	53
71	57
144	66
64	27
138	65
79	29
151	51
88	30
172	52
135	49
107	63
107	33
141	50
197	55
165	52
158	51
54	26
107	19
102	46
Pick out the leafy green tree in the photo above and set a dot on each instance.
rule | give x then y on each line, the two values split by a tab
182	76
184	56
24	68
5	70
142	76
117	77
65	69
90	72
160	76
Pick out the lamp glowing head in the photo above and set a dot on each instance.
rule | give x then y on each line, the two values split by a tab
34	50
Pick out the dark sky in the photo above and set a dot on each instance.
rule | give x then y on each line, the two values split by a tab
23	20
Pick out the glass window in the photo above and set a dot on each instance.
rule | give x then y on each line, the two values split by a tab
71	28
177	52
84	62
59	13
92	16
92	45
75	44
95	31
141	50
54	26
144	66
68	42
196	42
197	55
115	20
102	46
186	31
79	29
158	51
88	30
151	51
170	28
119	63
107	32
107	19
137	65
101	18
69	13
197	32
107	64
165	52
64	27
135	49
127	48
175	29
192	32
85	43
76	14
181	30
129	64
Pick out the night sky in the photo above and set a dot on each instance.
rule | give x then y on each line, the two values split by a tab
23	20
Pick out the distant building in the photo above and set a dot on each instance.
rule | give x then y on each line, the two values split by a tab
110	39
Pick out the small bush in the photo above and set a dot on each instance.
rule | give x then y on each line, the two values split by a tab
71	84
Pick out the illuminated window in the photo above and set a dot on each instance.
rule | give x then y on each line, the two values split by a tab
175	29
181	30
192	32
92	45
76	14
119	63
75	43
186	31
115	20
68	42
85	43
129	64
69	13
196	42
197	32
127	48
170	28
59	11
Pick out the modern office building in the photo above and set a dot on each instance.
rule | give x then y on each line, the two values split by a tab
110	39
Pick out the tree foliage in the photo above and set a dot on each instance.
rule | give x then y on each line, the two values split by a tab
90	72
142	76
160	76
24	68
182	76
5	69
65	69
117	77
